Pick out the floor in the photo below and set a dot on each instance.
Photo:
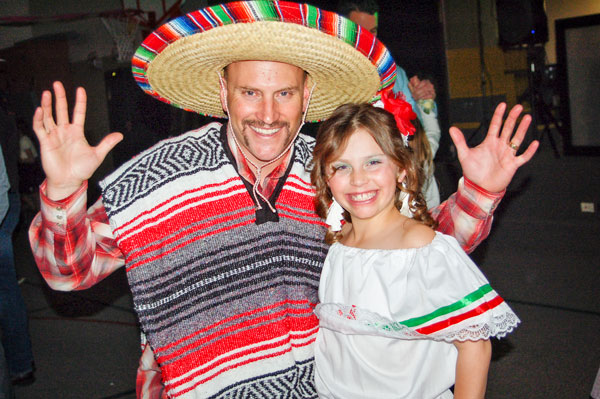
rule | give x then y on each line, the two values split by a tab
86	344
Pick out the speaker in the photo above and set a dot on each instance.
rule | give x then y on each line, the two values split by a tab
521	22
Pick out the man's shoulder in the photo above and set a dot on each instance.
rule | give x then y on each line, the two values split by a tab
206	136
196	153
210	129
304	146
196	149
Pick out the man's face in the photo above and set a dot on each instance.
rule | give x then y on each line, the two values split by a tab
367	21
265	101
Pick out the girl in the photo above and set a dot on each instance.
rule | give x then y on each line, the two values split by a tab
403	311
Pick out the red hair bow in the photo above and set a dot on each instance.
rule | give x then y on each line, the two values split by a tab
402	111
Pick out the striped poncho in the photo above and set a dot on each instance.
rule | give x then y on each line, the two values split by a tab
224	297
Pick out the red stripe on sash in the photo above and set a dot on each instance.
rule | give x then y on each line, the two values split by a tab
484	307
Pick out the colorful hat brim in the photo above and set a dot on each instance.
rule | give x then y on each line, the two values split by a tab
180	62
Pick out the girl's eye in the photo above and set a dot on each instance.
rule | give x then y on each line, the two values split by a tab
374	162
340	168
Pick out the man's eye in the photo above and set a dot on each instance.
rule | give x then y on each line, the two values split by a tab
249	92
286	94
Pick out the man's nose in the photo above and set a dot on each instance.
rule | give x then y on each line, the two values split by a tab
269	111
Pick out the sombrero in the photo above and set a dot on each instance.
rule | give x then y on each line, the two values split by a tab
179	63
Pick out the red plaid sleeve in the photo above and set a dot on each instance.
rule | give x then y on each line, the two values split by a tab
468	214
73	248
149	377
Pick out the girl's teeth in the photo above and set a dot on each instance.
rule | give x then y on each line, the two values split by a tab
363	196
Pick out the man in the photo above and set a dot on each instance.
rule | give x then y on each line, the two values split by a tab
5	384
14	323
416	91
216	227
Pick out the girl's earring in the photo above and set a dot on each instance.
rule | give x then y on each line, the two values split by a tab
335	215
405	208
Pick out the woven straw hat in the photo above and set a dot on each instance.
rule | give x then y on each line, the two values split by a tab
179	63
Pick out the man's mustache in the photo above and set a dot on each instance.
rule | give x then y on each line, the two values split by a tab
262	125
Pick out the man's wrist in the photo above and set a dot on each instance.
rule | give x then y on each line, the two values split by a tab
59	212
468	183
60	193
485	202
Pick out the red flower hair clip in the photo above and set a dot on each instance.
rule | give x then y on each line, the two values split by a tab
402	111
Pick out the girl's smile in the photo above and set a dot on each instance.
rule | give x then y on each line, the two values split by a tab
363	179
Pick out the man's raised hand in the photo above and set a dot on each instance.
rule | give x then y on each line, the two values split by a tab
67	158
493	163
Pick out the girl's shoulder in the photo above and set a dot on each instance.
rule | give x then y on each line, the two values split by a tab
416	234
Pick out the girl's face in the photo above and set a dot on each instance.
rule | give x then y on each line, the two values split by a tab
363	179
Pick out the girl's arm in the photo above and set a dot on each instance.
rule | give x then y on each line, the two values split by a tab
472	368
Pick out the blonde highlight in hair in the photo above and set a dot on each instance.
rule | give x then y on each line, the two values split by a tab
332	138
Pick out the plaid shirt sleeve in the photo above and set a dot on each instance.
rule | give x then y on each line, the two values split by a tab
149	377
468	214
73	248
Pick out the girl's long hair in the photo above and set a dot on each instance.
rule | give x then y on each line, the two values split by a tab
332	137
422	149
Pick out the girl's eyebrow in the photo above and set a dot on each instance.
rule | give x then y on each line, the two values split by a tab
364	157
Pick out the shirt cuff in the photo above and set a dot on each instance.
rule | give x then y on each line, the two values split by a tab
477	201
59	214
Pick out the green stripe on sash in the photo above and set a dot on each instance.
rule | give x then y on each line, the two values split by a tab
466	301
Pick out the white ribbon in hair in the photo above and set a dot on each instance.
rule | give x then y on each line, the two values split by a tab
335	215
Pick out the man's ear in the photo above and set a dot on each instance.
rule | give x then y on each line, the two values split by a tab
308	84
223	93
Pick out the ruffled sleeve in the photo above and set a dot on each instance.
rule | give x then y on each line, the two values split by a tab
435	292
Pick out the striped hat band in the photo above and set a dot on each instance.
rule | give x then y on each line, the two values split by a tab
180	62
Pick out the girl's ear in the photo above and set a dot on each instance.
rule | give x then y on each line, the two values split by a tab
401	176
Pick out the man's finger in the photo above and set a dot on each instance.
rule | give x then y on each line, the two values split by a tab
108	144
509	124
62	109
80	107
459	142
414	80
529	153
521	130
38	123
46	106
496	122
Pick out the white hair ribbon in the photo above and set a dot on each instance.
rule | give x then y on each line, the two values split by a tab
335	215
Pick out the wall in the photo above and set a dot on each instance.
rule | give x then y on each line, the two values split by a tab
505	76
473	93
559	9
10	35
542	248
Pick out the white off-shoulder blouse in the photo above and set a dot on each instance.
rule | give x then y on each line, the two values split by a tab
388	318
